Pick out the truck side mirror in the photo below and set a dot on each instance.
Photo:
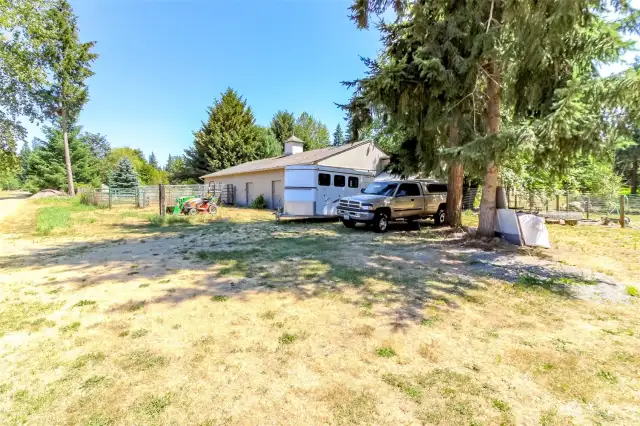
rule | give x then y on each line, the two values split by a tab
362	190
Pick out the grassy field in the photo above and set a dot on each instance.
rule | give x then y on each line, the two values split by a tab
112	317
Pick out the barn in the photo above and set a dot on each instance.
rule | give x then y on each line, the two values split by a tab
266	177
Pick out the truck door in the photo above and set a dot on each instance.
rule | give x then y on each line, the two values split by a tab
408	201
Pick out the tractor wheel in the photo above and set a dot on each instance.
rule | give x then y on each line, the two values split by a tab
213	209
192	212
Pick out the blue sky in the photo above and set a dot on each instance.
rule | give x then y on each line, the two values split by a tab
163	62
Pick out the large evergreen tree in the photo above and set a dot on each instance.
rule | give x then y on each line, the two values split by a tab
46	165
124	176
229	137
547	86
282	125
69	63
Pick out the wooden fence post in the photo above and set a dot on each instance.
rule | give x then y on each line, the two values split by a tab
557	202
622	211
109	195
161	199
567	201
588	205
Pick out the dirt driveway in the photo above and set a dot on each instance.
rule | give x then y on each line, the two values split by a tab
10	202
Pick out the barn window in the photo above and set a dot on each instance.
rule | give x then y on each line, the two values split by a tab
338	180
353	182
324	179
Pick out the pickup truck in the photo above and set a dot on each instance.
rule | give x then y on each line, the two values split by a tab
385	201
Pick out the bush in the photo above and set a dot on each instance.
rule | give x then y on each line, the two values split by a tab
9	182
259	202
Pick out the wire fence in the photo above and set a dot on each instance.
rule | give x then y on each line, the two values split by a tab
563	204
145	196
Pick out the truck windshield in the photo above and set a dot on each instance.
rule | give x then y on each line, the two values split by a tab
381	188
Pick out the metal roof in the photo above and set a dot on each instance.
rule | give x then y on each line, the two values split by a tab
306	157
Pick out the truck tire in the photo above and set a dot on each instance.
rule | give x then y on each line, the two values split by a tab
380	222
441	217
349	223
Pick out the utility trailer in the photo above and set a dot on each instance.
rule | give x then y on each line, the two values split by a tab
312	191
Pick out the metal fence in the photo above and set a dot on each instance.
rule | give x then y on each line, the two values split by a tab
573	204
145	196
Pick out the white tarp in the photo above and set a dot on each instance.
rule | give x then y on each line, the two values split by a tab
507	226
534	231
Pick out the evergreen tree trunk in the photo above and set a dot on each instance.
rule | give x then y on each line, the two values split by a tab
634	177
67	156
456	175
486	226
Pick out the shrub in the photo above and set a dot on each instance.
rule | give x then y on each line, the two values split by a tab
259	202
632	291
385	352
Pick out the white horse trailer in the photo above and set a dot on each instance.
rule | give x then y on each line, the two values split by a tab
314	191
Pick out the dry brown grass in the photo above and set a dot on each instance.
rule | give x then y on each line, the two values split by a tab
245	321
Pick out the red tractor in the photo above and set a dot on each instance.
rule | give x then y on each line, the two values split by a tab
201	205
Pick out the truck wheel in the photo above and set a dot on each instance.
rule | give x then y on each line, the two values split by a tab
380	222
441	217
349	223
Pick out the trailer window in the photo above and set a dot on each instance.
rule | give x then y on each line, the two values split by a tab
436	188
353	182
338	180
324	179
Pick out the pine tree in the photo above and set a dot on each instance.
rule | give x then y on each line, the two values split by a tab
229	137
153	162
546	86
338	136
46	165
282	125
124	176
69	62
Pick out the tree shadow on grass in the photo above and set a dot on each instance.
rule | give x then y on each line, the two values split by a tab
395	275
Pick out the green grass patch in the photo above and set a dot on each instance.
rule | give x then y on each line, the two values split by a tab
142	360
385	352
153	406
84	303
69	328
632	291
93	382
287	338
19	316
402	383
92	357
157	220
139	333
49	218
219	298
